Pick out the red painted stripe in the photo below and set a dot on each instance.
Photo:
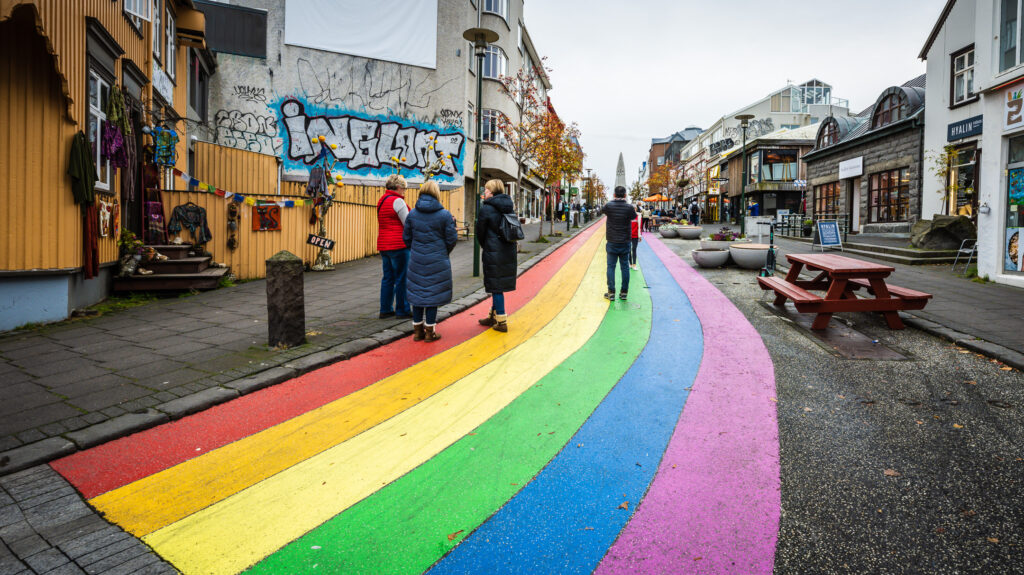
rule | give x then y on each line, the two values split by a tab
122	461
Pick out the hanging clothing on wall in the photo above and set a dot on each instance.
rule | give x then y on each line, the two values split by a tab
165	142
192	217
155	231
113	145
105	212
116	113
90	242
129	175
82	169
317	186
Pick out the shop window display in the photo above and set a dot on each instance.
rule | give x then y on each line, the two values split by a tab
1012	255
826	199
888	196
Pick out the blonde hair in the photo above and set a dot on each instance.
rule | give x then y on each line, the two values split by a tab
395	182
430	188
496	186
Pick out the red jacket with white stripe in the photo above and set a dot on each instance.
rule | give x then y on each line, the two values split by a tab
389	225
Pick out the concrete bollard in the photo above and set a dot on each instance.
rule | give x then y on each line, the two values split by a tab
286	301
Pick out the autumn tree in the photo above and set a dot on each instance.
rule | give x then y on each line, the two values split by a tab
558	154
637	192
522	132
660	179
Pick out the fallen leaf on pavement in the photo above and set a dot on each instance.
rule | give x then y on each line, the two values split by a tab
940	530
958	426
452	536
968	513
1006	368
892	473
992	540
919	422
971	383
625	505
808	409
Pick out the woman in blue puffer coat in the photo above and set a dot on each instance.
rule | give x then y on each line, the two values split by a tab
431	236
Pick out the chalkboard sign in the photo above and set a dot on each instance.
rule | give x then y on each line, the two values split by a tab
828	234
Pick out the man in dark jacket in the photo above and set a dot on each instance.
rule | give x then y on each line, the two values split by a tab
620	214
499	257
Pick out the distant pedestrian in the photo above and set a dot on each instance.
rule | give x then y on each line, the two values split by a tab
620	214
499	257
634	239
646	213
394	252
431	236
694	213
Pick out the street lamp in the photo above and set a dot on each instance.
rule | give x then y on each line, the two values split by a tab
744	119
480	37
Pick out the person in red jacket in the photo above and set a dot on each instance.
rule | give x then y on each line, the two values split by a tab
634	238
391	213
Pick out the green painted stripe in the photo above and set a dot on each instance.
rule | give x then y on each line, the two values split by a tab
405	527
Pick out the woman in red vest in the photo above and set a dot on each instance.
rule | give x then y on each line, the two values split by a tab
391	213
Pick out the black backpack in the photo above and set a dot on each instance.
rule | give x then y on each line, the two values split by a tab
509	228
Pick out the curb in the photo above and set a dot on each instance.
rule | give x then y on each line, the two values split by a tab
51	448
1010	357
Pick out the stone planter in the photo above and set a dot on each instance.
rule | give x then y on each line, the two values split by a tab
749	256
710	258
689	232
667	232
720	244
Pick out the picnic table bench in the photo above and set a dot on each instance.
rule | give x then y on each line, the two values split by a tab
839	277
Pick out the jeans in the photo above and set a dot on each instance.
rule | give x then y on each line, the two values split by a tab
392	285
418	313
618	253
498	303
633	243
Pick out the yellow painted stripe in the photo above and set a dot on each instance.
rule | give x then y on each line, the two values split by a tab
246	527
165	497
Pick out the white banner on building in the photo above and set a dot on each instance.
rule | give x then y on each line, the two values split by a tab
403	31
851	168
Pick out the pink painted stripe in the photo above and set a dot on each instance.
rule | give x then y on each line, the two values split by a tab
714	504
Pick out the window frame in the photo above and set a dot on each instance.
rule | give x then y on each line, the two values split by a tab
970	96
829	134
877	192
494	55
828	194
156	25
489	131
503	5
99	113
886	113
1001	31
170	44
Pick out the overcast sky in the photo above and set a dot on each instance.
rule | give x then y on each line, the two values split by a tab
627	72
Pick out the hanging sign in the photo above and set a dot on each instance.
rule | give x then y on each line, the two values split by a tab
320	242
828	234
1013	108
851	168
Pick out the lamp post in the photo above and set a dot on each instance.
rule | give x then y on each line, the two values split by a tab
480	37
744	119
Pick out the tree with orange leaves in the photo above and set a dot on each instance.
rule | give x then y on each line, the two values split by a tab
558	154
660	179
522	133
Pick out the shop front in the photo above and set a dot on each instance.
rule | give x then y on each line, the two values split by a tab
963	156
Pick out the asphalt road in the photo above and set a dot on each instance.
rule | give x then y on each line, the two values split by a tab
908	466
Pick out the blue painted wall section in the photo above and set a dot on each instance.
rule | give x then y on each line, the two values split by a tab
33	300
364	144
566	518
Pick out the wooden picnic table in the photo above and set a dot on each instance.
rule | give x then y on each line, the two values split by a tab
839	277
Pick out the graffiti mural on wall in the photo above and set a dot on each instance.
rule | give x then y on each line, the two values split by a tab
247	131
754	129
364	143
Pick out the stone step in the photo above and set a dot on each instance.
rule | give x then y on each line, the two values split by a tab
894	254
204	280
175	252
187	265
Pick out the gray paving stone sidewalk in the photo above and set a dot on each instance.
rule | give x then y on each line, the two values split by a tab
79	383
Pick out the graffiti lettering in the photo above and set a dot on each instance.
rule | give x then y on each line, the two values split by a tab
450	119
754	129
250	93
247	131
368	143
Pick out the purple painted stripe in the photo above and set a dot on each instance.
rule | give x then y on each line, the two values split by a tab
714	504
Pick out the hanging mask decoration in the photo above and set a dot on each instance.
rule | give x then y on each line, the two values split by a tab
233	218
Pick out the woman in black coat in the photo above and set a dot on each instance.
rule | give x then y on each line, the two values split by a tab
499	257
430	234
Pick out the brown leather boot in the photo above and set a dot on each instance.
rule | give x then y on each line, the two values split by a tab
417	331
500	323
429	334
489	320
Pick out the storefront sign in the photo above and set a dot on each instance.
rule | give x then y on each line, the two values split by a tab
721	146
1013	109
162	83
828	234
851	168
320	242
964	129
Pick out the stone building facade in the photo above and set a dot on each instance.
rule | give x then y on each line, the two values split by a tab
867	170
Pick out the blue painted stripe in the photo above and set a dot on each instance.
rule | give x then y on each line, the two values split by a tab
566	518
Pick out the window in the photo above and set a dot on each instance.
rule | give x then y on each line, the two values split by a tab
963	168
198	86
157	40
99	94
661	160
499	7
829	134
520	42
963	76
495	62
826	199
170	45
489	132
891	108
755	165
779	166
888	196
1009	31
137	8
471	116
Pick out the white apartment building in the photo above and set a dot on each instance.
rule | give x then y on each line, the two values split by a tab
975	117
